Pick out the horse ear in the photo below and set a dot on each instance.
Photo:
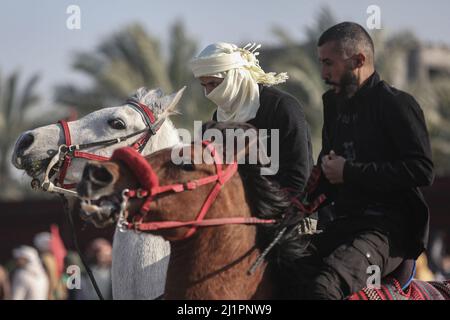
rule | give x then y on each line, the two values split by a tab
156	93
147	95
170	102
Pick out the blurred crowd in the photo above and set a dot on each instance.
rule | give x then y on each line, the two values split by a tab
46	271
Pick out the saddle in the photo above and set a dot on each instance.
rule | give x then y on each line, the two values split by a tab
405	273
392	289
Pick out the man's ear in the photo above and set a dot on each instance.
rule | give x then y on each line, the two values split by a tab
359	60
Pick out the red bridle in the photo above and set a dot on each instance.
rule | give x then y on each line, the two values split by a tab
150	188
71	151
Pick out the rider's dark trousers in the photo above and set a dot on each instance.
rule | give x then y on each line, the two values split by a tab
337	260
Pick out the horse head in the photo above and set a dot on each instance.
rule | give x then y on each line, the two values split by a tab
35	149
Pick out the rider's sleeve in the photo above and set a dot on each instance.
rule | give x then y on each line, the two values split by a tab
295	158
323	185
412	165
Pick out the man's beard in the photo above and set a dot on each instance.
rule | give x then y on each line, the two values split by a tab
348	85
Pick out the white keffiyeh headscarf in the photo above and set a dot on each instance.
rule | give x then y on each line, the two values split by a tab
31	255
237	97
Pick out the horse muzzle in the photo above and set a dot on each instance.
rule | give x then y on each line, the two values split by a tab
96	206
96	178
101	213
22	145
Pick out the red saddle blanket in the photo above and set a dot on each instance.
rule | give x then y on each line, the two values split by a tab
417	290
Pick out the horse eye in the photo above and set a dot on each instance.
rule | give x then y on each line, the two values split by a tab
117	124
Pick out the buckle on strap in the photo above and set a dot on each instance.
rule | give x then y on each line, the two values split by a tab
72	148
135	225
122	223
140	194
190	185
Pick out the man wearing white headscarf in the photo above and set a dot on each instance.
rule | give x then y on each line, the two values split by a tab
30	281
42	242
243	92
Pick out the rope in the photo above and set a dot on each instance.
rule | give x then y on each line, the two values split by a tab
75	241
266	251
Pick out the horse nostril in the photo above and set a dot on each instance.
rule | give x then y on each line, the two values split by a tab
99	175
24	143
84	189
95	177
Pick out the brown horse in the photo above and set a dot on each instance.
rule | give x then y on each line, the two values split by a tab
218	219
207	261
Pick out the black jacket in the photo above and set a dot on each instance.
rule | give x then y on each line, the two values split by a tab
381	132
280	110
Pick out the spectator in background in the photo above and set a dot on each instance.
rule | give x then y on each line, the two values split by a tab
423	272
99	255
443	270
438	255
42	241
29	282
72	259
446	267
5	288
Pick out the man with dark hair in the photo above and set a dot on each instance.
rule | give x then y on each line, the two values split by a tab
375	154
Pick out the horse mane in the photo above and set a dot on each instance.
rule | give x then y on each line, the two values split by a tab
155	99
269	201
266	198
167	135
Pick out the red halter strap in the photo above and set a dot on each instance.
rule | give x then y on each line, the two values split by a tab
151	188
150	117
311	206
70	154
73	151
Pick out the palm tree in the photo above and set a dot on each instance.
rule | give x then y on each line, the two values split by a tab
17	116
130	59
397	60
301	63
13	105
435	100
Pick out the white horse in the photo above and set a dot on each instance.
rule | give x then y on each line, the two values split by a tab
140	260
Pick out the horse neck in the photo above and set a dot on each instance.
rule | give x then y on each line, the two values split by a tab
166	137
213	264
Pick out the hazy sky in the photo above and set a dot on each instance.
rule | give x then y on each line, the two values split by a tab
34	37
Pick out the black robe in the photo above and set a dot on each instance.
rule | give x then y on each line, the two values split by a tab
280	110
382	134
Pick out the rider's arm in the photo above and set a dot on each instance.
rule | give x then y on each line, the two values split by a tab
294	144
